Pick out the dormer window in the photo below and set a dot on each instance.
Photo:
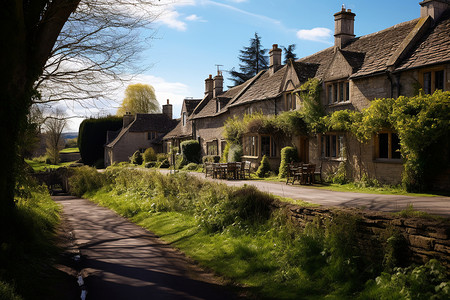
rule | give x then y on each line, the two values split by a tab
290	102
338	92
184	118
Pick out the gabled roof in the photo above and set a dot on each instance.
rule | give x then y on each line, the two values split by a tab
190	105
433	48
145	123
367	54
267	86
152	122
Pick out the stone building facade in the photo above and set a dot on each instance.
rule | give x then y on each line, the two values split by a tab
139	132
356	70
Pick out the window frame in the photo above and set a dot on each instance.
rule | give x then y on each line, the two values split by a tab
212	147
337	92
184	117
151	135
432	81
390	147
332	146
290	101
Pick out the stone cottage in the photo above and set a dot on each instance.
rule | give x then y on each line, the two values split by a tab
356	70
183	130
139	132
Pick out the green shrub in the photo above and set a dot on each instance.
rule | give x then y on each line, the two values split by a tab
191	151
136	158
211	159
264	168
222	207
164	164
149	155
288	155
235	153
92	137
224	157
190	167
161	156
7	292
428	281
85	179
340	176
151	164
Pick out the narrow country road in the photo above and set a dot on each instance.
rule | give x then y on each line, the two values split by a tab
120	260
378	202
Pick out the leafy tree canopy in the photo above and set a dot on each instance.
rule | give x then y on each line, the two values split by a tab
139	98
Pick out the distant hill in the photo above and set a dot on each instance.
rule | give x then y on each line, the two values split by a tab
69	135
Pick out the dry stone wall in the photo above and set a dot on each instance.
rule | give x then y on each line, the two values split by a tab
425	238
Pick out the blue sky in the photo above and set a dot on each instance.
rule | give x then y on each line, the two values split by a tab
192	36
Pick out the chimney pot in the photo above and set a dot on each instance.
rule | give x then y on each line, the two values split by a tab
433	8
344	23
218	84
167	109
275	59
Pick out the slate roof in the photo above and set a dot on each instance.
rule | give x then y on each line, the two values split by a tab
191	104
209	105
367	54
147	122
434	47
152	122
267	86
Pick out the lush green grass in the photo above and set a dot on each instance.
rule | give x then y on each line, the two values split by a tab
70	150
229	231
28	253
39	165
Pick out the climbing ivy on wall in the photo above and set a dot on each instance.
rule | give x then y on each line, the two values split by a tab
422	123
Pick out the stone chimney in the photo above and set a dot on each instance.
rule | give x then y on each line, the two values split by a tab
127	119
167	109
275	59
218	84
209	86
344	27
433	8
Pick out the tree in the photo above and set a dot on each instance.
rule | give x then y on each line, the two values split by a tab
25	52
254	60
98	45
139	98
289	53
54	127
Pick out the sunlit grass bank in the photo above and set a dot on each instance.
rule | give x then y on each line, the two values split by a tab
240	235
27	249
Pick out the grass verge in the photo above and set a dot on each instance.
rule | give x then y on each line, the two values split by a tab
238	234
28	255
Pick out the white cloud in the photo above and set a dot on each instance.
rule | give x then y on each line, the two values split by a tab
195	18
318	34
238	1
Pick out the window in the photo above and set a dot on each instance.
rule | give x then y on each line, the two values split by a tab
211	148
338	92
151	135
268	146
332	145
249	110
290	103
251	145
432	80
184	118
223	144
387	146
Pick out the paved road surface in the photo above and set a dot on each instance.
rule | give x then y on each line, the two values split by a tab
124	261
389	203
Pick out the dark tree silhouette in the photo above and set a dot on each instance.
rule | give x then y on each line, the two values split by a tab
254	60
289	53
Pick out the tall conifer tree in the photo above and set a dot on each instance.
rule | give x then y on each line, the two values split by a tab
253	58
